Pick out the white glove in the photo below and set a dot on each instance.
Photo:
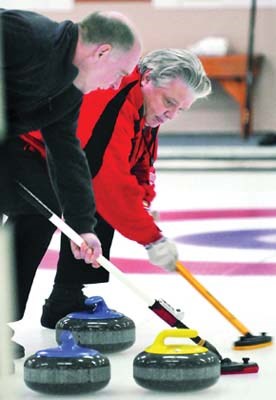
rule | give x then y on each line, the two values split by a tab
163	253
90	249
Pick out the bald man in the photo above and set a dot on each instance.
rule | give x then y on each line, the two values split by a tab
47	67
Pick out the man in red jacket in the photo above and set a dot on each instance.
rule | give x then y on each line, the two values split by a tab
118	132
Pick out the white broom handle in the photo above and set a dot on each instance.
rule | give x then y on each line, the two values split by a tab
124	279
67	230
104	262
78	240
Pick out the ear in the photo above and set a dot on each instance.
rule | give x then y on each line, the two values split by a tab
103	50
145	78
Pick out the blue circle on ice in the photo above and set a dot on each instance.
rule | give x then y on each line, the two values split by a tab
239	239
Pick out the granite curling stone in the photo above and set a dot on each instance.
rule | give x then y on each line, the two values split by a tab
67	369
176	367
98	327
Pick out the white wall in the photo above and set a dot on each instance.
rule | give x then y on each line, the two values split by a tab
181	27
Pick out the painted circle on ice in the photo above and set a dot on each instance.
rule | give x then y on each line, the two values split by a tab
243	239
238	239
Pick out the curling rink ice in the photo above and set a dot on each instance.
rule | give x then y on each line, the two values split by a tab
224	224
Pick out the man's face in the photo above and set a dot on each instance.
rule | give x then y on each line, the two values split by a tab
111	67
164	103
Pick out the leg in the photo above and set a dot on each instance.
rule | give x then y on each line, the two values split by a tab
32	232
70	270
71	274
32	235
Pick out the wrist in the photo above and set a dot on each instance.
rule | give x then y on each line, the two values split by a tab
151	244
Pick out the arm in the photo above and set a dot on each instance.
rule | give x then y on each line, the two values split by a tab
69	173
119	196
18	43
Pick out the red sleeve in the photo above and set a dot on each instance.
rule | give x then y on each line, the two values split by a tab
119	197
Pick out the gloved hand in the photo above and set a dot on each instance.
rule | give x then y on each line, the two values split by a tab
163	253
89	251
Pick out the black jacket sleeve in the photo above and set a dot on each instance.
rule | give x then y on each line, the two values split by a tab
69	173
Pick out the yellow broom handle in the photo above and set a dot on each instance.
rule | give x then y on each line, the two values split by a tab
202	290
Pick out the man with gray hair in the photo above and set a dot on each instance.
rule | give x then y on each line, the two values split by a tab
118	132
47	67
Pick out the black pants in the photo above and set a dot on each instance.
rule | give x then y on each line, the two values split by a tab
33	232
32	235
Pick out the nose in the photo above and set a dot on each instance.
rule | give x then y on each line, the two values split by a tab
170	114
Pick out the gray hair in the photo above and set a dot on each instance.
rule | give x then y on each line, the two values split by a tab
168	64
102	28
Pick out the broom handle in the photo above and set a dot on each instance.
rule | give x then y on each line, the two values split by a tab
205	293
123	278
77	239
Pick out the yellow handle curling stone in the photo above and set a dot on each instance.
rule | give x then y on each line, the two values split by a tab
176	367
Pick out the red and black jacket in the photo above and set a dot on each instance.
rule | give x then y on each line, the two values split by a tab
120	151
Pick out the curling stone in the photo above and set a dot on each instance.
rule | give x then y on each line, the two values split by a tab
176	367
98	327
67	369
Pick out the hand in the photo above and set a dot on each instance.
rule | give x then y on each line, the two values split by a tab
89	251
163	253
